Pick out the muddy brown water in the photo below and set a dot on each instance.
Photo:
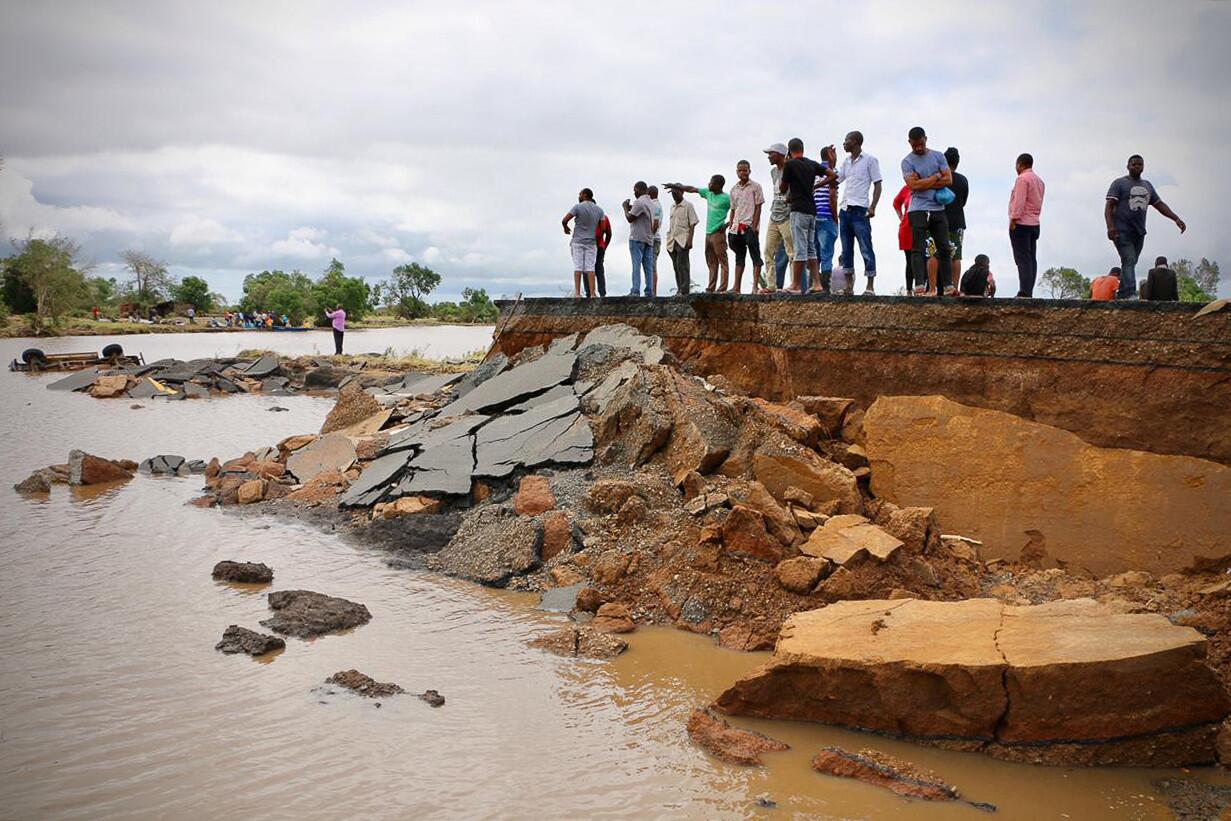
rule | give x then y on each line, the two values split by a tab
113	702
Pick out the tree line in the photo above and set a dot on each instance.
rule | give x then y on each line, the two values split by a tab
45	279
1198	282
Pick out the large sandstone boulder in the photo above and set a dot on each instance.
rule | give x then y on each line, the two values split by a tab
1070	682
784	466
87	469
1022	487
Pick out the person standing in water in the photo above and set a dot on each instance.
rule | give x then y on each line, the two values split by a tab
338	316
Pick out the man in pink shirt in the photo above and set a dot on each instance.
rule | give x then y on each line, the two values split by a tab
338	316
1025	206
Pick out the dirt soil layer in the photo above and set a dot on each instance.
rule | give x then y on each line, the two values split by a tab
1142	375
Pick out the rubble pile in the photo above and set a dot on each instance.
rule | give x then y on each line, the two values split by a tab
595	469
267	374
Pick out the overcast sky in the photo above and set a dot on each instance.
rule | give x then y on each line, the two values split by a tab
227	137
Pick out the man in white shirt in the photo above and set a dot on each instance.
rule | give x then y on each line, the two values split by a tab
680	236
860	177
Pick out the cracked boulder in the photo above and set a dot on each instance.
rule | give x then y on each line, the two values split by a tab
1069	682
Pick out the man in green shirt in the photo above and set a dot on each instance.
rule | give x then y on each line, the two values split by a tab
715	228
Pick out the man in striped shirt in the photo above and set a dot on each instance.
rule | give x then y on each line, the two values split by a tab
825	197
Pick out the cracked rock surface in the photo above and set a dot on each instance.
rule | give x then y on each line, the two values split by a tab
1063	682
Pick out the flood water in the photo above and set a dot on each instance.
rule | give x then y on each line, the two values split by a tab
429	341
113	702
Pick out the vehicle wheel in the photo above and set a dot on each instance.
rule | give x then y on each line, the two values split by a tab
113	351
34	356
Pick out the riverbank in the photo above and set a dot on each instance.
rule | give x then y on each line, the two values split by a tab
20	326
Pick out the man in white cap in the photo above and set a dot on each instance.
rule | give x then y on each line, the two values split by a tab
778	231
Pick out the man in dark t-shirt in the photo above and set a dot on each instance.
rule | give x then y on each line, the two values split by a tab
1161	285
1128	199
955	212
799	177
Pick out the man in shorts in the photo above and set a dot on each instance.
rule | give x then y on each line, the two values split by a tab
955	212
799	177
744	224
583	245
778	226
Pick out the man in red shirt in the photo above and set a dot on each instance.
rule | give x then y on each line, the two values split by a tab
602	234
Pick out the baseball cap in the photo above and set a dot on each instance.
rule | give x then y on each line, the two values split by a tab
776	148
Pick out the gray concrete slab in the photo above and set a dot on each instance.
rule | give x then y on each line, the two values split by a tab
517	385
544	435
75	381
560	599
374	482
265	366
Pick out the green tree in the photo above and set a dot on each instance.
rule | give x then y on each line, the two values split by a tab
279	293
1204	278
1190	291
15	292
407	288
336	288
150	283
1066	283
101	292
194	291
48	268
476	306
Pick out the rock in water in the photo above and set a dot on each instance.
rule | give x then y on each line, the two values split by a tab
304	614
243	572
1070	682
573	641
364	685
236	639
727	743
85	469
433	698
36	482
881	770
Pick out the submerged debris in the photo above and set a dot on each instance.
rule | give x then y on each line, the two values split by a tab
305	615
243	572
236	639
364	685
728	743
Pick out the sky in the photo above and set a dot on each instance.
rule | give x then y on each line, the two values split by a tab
226	138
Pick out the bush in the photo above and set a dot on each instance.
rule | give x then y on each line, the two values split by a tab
335	288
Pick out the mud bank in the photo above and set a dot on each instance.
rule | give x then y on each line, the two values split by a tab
1140	375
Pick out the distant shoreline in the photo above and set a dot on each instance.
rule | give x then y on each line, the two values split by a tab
16	328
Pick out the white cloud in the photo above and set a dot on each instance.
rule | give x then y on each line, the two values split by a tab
387	163
303	243
194	231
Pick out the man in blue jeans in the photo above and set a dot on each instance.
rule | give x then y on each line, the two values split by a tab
826	198
861	191
640	216
1128	199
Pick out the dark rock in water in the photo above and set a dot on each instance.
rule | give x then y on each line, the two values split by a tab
36	482
304	614
277	409
166	466
76	381
433	698
273	383
1193	800
423	533
236	639
226	385
194	391
197	466
243	572
364	685
265	366
325	376
493	366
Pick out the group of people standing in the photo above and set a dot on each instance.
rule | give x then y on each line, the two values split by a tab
808	217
